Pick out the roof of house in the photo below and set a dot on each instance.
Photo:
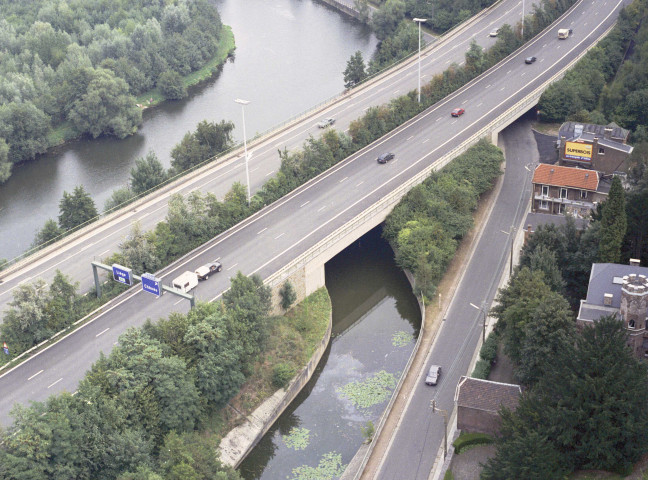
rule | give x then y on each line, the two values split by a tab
606	278
486	395
606	142
559	176
572	130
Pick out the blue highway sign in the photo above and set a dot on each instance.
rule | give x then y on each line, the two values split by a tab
122	274
151	284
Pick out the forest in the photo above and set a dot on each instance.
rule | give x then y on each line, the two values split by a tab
73	68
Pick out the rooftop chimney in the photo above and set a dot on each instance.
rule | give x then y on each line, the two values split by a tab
634	262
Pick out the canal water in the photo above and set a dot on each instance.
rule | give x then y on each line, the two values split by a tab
290	55
376	321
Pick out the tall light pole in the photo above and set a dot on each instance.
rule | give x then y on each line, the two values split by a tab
522	32
419	21
243	103
482	310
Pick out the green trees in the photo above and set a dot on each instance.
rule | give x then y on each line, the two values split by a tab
76	208
24	127
427	224
288	295
36	313
147	173
50	231
106	107
613	224
354	72
208	140
584	406
138	251
171	85
81	63
385	20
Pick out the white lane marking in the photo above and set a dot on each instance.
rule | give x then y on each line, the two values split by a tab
37	373
179	301
544	45
409	138
322	208
343	179
464	102
102	332
358	184
269	173
55	382
502	89
103	253
426	140
254	169
280	235
261	231
233	266
508	72
479	104
523	74
396	91
305	203
437	119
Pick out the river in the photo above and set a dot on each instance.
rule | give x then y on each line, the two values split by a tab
290	55
376	321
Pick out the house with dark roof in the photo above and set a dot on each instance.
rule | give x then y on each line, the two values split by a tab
479	401
566	190
597	147
620	290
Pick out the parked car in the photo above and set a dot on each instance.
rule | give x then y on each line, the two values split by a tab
205	271
457	111
433	375
327	122
385	157
493	33
529	60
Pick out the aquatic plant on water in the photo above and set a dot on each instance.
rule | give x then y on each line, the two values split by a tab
330	467
401	338
372	391
297	439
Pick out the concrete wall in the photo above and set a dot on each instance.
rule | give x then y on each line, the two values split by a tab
235	446
347	7
478	421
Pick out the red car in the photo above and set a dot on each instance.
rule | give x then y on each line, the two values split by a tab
457	111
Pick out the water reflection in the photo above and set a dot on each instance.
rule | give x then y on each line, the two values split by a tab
372	304
290	55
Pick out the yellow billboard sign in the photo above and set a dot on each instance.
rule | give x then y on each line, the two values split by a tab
578	151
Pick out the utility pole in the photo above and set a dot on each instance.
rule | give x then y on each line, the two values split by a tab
445	426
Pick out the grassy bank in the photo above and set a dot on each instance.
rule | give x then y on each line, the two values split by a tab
292	339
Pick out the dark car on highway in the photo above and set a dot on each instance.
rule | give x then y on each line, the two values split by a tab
385	157
529	60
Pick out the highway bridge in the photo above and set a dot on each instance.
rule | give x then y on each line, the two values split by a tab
294	237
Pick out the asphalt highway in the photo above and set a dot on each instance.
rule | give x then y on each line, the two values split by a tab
275	235
102	239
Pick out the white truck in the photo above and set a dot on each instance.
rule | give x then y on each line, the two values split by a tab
185	282
564	33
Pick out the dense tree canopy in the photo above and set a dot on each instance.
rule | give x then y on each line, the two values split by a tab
82	62
76	208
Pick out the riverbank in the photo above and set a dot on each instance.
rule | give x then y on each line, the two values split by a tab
65	132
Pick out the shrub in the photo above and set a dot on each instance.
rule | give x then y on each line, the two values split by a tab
171	85
282	374
288	295
488	350
482	369
466	440
448	475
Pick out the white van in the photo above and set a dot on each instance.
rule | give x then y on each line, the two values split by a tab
185	282
564	33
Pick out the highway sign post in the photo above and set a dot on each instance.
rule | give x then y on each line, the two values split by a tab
122	274
152	284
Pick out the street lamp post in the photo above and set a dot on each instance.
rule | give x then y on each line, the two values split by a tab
481	309
435	409
243	103
522	30
419	21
